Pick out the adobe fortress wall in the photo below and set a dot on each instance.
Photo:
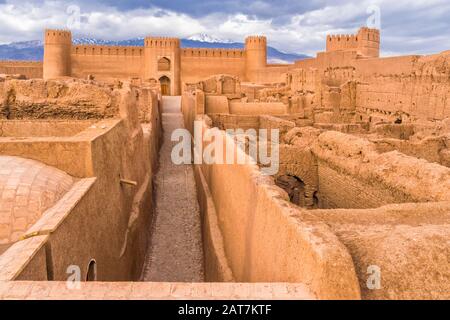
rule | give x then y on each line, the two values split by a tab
185	65
64	59
197	64
106	62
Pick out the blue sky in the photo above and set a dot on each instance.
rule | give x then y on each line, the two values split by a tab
413	26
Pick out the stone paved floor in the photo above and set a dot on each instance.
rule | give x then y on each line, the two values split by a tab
175	253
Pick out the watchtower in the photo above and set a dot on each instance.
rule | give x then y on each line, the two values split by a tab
255	56
57	50
369	42
366	42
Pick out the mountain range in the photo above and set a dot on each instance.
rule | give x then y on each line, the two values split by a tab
34	50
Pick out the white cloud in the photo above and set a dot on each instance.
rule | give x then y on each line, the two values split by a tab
24	21
407	26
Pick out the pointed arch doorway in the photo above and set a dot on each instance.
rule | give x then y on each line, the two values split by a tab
165	85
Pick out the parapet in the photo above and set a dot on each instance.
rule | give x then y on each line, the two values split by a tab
219	53
162	42
256	41
366	42
369	34
54	36
108	50
342	42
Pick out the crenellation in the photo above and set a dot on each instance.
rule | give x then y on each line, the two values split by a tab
58	36
217	53
108	50
162	42
366	42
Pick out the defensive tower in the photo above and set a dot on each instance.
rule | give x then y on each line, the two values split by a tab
366	42
255	56
57	50
369	42
163	63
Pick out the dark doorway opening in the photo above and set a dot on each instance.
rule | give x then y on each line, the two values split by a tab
294	187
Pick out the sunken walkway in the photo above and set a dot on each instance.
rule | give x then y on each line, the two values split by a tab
175	253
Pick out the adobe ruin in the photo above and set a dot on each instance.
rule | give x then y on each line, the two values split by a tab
86	177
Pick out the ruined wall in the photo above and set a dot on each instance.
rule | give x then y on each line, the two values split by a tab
432	149
257	239
42	128
257	108
30	69
216	104
370	179
40	99
263	242
419	88
104	153
408	242
411	88
231	121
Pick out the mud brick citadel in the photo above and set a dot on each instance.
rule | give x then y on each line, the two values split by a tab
359	208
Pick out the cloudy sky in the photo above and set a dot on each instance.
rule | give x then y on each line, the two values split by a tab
407	26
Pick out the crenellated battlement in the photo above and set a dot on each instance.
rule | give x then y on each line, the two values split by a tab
54	36
256	41
255	55
349	40
132	51
342	42
162	42
369	34
212	53
366	42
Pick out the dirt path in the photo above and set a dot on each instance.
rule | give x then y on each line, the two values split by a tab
175	253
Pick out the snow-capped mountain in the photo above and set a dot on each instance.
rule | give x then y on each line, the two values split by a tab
33	50
202	37
92	41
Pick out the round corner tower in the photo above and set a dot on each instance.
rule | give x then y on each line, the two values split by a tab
57	51
255	56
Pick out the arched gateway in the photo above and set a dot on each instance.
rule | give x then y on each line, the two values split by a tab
165	85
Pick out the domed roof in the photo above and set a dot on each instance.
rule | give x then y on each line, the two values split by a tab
27	189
